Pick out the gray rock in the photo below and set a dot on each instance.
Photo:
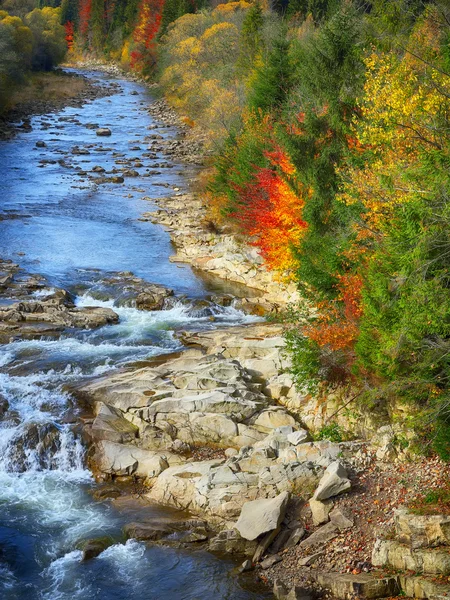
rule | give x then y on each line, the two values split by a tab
320	536
110	425
307	561
246	566
92	548
298	437
260	516
296	535
270	561
4	406
341	520
280	590
334	481
103	131
264	544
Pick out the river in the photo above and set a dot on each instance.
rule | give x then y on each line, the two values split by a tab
55	221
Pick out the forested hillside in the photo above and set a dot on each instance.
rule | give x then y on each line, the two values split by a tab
328	130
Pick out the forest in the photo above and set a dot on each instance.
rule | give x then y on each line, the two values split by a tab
327	127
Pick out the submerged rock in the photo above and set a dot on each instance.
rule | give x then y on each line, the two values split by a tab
94	547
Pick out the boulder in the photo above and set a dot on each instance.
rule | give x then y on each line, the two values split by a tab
365	585
334	481
230	542
320	510
272	419
4	406
308	561
93	547
103	131
390	553
270	561
153	297
262	515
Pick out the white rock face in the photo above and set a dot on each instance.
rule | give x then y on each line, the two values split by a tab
261	516
333	482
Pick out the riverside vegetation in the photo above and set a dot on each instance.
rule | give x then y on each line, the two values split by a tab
317	444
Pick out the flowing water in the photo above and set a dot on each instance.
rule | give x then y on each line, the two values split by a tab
55	221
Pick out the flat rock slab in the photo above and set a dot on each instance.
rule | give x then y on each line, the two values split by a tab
435	561
364	585
423	587
320	536
260	516
421	531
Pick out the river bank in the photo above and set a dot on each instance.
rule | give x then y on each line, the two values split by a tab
45	93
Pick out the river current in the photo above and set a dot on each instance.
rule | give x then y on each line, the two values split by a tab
57	222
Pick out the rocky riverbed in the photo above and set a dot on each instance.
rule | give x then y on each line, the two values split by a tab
49	92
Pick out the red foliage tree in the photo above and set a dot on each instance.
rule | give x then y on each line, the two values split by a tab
84	12
149	21
69	34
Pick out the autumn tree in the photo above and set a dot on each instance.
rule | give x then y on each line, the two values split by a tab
49	44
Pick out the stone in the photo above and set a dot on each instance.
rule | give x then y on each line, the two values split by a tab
280	590
147	531
320	536
230	542
264	543
340	519
390	553
153	297
415	586
320	510
4	406
366	585
270	561
298	593
41	144
272	419
103	132
298	437
229	452
421	531
120	460
262	515
110	425
296	535
246	566
308	561
184	486
94	547
333	482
